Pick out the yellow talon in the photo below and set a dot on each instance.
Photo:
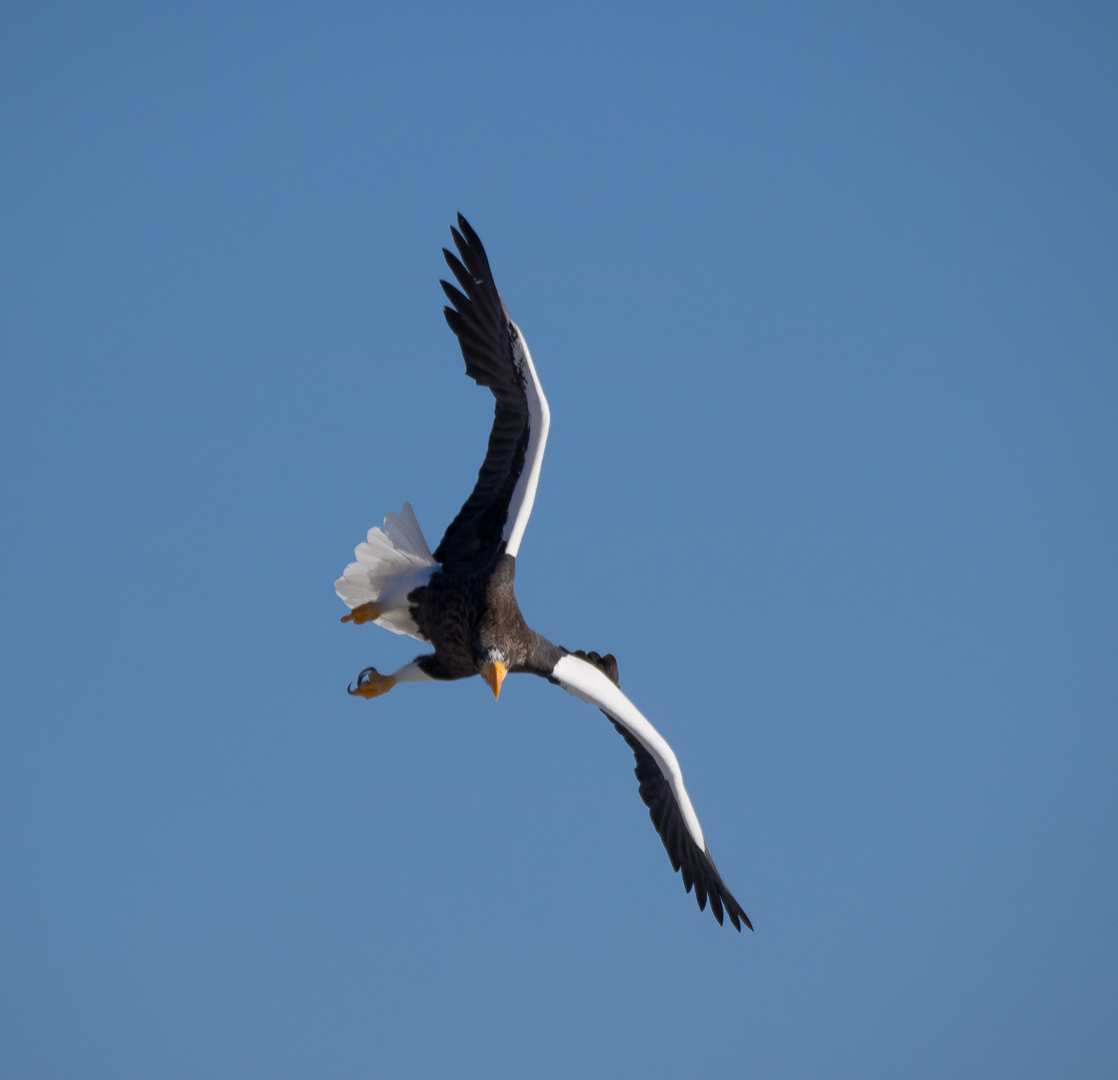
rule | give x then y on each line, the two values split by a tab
363	613
371	683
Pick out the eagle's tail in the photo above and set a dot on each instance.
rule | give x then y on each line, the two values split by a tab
392	562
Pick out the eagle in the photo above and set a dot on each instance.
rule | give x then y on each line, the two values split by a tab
461	600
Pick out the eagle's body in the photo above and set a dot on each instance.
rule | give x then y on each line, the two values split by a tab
469	614
461	600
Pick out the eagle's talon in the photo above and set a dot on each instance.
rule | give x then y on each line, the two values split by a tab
371	683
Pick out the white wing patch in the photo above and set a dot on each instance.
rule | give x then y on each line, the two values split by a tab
393	560
589	684
539	420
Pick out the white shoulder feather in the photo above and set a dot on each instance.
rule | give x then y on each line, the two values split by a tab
589	684
524	494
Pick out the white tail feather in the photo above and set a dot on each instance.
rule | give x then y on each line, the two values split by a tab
392	562
404	530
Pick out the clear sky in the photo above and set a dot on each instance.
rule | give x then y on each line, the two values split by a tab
823	297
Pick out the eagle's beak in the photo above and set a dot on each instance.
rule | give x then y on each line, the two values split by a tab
494	674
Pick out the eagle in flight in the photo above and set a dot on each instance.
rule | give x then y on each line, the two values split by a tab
460	600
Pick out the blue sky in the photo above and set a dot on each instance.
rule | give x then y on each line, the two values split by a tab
823	300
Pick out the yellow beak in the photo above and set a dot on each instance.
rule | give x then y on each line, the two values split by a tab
494	674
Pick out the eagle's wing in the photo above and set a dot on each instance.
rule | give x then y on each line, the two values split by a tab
496	356
593	678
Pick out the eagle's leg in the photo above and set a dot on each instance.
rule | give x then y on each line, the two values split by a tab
371	683
363	613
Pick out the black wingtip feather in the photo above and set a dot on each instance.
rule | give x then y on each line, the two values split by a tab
716	906
473	238
463	277
478	269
